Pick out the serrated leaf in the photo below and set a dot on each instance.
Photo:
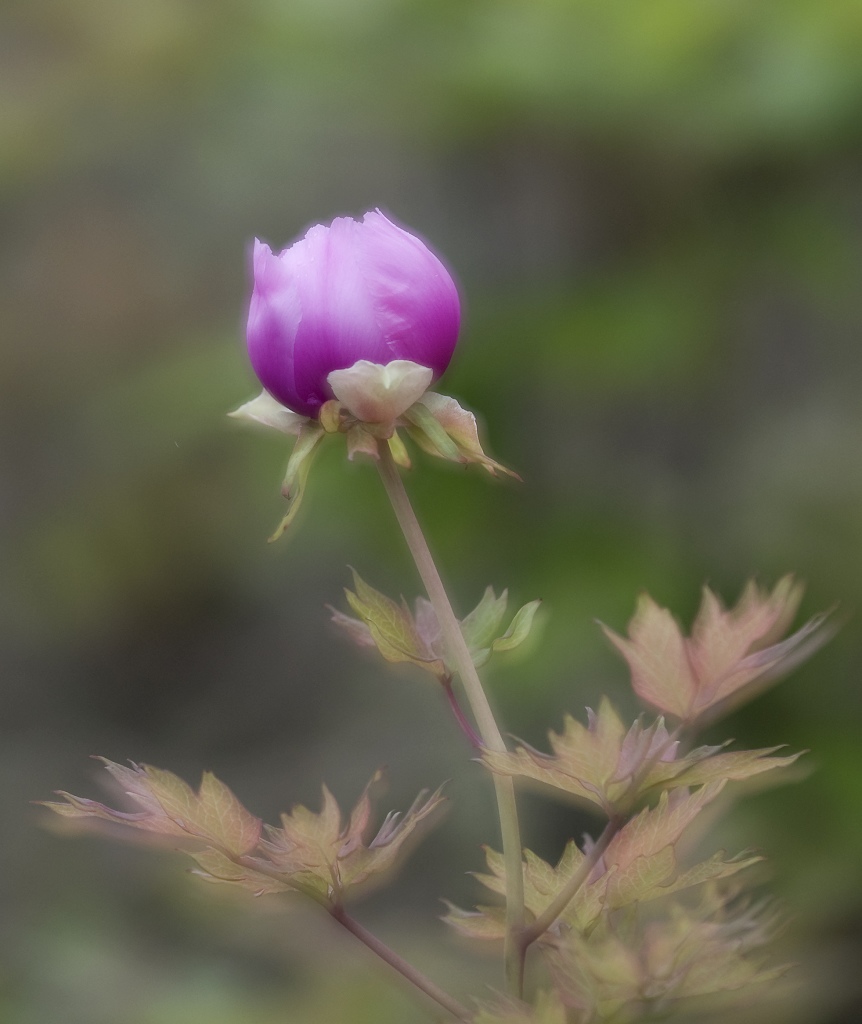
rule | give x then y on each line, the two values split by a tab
312	852
651	830
215	866
602	763
485	923
656	653
519	628
168	806
339	857
731	766
729	655
391	626
691	952
542	882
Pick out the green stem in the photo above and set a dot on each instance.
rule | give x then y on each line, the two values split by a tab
559	903
482	713
405	969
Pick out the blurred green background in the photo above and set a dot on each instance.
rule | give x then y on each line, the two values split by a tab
654	208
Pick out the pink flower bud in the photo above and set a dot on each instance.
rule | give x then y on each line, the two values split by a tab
354	290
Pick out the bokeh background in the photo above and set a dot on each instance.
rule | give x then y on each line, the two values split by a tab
655	213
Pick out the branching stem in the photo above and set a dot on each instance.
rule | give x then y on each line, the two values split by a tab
559	903
406	970
484	716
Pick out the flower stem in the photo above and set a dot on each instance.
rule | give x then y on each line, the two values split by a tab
559	903
408	971
482	713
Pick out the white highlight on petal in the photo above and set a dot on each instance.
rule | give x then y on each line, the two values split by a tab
266	410
379	394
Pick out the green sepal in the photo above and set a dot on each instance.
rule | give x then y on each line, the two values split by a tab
298	466
442	427
429	435
399	451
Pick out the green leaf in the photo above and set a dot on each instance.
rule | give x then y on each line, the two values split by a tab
519	628
479	627
392	627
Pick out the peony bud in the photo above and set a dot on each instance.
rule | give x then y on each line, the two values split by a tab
356	290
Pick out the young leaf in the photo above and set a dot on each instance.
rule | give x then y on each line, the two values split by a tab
691	953
728	654
519	628
480	626
615	769
339	856
168	806
314	853
542	883
602	763
391	627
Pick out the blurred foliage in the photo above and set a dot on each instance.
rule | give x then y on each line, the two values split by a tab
654	211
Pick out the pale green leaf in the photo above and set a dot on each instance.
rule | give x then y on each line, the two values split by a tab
479	627
519	628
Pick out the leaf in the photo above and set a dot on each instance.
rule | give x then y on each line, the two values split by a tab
484	923
382	853
542	883
168	806
312	852
656	653
732	766
602	763
339	857
729	654
356	629
479	627
391	626
691	952
215	866
519	628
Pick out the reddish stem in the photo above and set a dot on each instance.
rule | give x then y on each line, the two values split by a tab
460	717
